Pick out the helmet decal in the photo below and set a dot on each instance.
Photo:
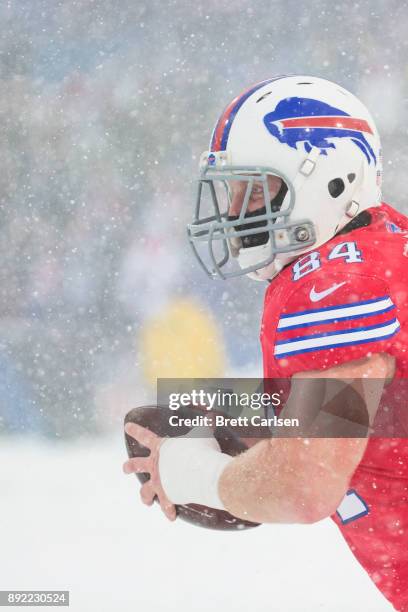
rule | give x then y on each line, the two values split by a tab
211	159
314	122
219	138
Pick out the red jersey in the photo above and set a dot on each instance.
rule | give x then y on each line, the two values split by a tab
341	302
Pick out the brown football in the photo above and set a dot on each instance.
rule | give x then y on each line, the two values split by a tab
155	418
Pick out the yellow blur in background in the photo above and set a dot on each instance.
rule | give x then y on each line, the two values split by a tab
182	342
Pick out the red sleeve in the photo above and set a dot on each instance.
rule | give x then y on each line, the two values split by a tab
331	319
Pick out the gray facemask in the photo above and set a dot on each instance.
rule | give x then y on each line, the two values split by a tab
254	238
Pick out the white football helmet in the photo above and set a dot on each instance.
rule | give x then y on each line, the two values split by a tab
313	134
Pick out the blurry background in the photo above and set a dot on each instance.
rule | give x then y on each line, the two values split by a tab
105	107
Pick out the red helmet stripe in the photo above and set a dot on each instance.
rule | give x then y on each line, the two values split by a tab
220	135
347	123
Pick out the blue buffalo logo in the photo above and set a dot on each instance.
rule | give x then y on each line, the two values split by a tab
316	124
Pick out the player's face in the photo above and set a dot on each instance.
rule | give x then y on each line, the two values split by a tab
256	199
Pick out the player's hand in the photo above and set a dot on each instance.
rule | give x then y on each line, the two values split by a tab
150	465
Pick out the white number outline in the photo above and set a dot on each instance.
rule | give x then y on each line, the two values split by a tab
352	254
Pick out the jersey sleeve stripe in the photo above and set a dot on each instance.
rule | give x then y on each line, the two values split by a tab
331	314
335	339
337	319
339	332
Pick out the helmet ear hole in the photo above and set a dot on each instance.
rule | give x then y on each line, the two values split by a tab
336	187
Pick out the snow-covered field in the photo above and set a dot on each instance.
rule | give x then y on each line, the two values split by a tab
69	519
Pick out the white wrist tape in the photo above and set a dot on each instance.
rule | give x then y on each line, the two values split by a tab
190	468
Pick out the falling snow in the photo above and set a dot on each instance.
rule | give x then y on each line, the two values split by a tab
105	109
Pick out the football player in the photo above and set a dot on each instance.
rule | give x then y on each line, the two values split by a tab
294	175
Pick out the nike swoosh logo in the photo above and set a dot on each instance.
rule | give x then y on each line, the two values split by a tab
316	296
